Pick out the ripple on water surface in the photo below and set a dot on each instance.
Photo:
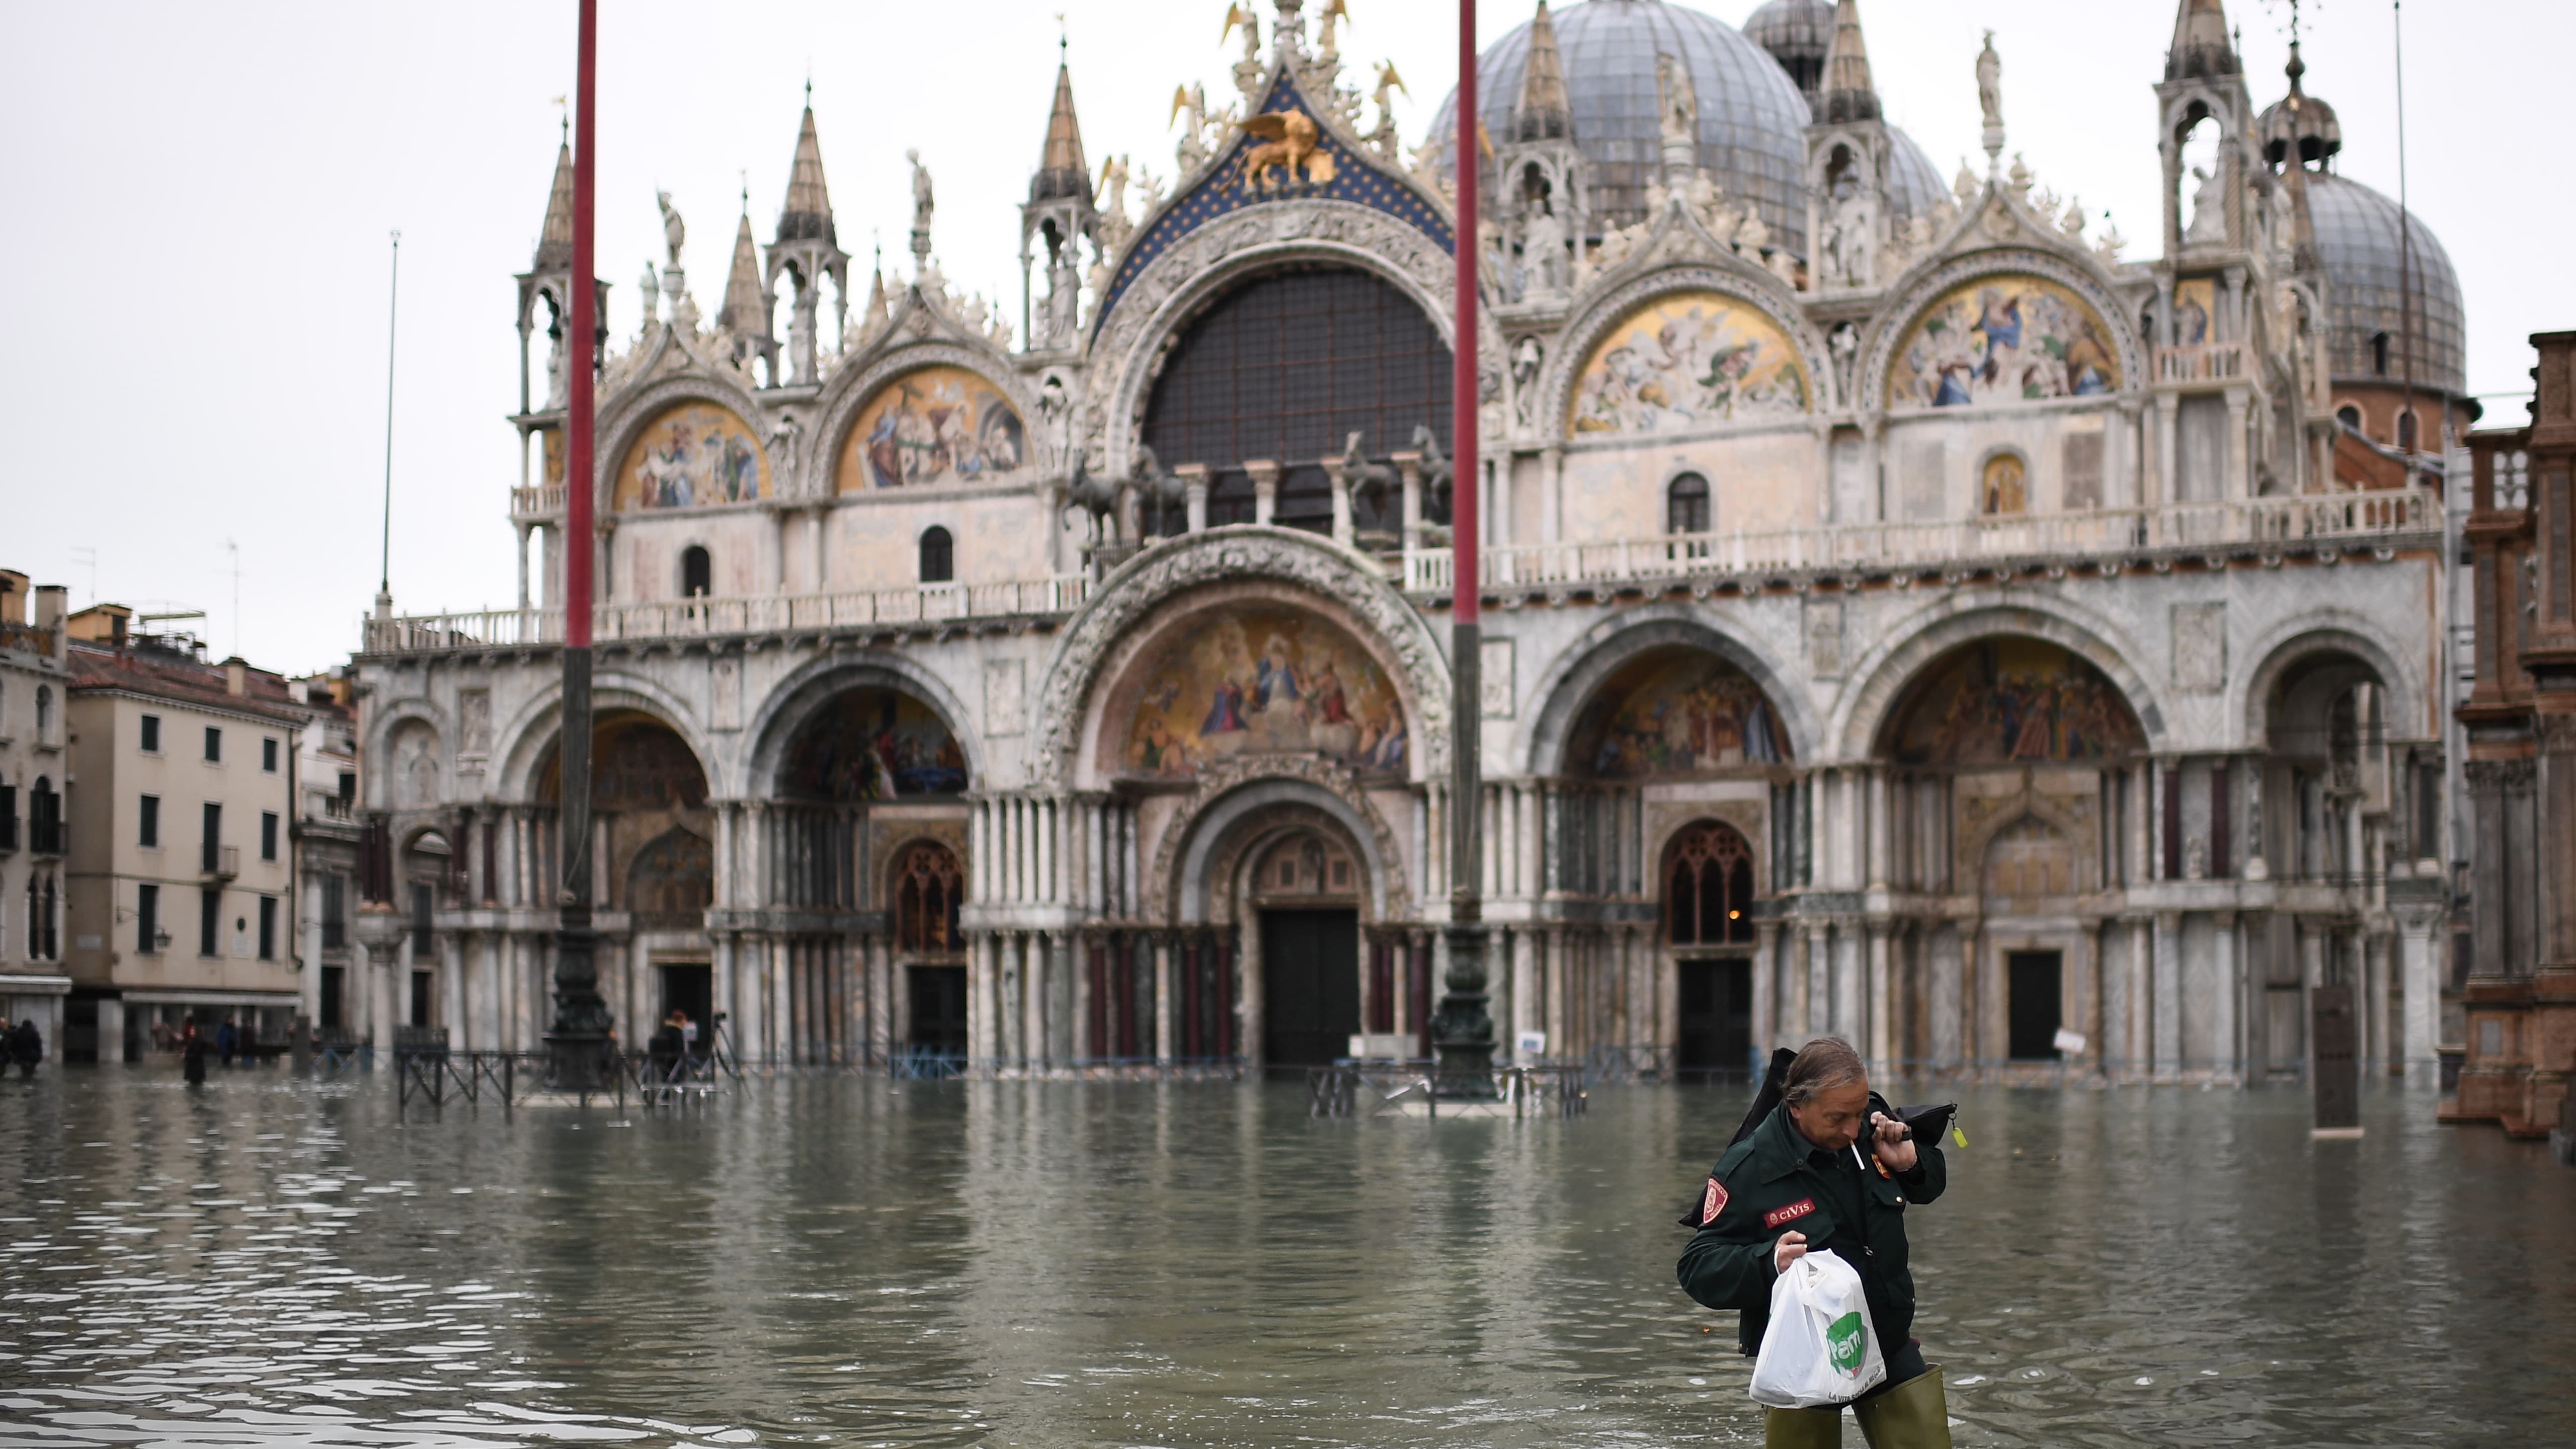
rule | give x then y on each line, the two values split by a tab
837	1260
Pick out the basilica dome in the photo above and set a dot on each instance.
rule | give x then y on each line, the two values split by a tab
1752	116
2357	232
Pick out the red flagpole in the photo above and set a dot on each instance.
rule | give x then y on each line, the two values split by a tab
1462	1030
578	533
580	1042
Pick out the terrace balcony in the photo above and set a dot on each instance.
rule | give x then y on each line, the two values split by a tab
2107	540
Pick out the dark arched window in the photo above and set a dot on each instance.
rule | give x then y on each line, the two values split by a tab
2379	353
44	713
938	556
1285	368
1686	505
45	818
2406	432
927	888
697	573
2349	416
1708	879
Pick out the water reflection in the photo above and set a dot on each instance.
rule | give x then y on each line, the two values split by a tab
266	1262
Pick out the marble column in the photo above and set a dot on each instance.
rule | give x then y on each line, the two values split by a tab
2167	1002
1164	1044
2226	1000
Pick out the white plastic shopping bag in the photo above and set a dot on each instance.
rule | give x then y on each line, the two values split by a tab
1820	1348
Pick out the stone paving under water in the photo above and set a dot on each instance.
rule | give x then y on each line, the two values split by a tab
272	1262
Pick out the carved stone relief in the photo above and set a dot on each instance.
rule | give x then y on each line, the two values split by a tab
2200	648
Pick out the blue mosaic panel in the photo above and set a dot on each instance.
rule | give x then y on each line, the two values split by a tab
1357	178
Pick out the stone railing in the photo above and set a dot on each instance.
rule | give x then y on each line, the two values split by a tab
546	500
917	606
2209	362
2253	524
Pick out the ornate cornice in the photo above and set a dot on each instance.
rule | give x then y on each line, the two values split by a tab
1233	555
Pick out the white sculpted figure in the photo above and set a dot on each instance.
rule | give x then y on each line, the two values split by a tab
1679	102
1990	85
2208	207
674	231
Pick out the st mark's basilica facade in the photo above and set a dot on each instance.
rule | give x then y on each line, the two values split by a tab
1905	618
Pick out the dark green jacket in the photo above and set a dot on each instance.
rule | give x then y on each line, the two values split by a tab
1769	1186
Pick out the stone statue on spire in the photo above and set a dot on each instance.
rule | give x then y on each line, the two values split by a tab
922	206
675	233
1990	98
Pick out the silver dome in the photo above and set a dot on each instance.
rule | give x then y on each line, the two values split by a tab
1799	34
1752	118
2358	241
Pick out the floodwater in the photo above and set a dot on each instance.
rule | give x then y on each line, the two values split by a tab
853	1261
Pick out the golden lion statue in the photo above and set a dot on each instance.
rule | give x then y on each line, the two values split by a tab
1290	147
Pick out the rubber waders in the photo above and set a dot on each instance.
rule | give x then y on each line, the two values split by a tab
1802	1428
1913	1415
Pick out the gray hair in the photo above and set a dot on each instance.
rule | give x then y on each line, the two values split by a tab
1825	1062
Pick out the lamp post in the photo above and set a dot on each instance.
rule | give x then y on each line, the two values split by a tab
578	1043
1461	1030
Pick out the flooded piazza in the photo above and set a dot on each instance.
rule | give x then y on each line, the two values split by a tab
862	1261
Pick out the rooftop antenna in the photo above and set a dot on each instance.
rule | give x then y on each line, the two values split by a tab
385	556
234	548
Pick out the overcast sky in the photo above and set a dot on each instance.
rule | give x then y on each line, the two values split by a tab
195	202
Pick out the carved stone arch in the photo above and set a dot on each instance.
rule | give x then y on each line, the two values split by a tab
1151	313
1926	282
851	389
1730	277
625	420
792	702
1878	680
1066	718
520	748
1226	884
1580	670
1234	790
2304	637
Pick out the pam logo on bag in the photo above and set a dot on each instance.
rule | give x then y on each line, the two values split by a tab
1789	1214
1843	1341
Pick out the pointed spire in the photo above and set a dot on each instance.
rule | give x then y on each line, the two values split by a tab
807	213
1062	171
879	312
554	240
1848	94
2200	45
743	312
1545	112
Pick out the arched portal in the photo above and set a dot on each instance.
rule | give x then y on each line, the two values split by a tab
645	783
1673	768
866	841
2328	808
1278	373
2012	781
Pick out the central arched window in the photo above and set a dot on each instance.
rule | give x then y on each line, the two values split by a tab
1708	896
1686	505
938	556
1284	368
927	888
697	573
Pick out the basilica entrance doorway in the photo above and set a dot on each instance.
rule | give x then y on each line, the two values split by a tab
1310	986
1716	1026
938	1025
2034	981
690	986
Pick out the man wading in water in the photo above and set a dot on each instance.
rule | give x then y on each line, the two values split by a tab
1802	1179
